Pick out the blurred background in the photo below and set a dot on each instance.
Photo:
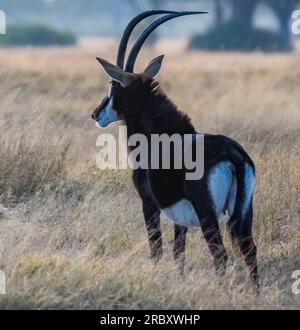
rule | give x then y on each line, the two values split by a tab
231	24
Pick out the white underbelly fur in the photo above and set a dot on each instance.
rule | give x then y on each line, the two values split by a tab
222	189
182	213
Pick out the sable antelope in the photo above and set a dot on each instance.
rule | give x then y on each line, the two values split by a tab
229	174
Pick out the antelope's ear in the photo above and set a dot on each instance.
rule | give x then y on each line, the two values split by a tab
115	72
153	67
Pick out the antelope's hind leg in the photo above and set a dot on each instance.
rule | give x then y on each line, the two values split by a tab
208	219
248	248
212	235
179	247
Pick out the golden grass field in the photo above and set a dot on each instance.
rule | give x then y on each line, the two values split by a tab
73	236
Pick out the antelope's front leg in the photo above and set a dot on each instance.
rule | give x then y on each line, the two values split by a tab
179	247
152	221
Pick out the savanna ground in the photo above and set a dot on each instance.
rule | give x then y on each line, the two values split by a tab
72	236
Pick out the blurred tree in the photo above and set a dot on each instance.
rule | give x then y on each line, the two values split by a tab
239	33
283	9
36	35
219	12
243	11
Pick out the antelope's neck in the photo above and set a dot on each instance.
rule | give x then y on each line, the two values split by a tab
157	114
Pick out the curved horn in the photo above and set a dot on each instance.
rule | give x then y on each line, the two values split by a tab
145	34
130	27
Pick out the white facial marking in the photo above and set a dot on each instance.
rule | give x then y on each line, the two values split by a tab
221	188
108	115
182	213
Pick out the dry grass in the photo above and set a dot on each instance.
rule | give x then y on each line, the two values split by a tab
73	236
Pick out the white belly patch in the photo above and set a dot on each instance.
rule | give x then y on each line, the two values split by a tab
182	213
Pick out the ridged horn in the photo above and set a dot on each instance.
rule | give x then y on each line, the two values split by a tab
130	27
145	34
